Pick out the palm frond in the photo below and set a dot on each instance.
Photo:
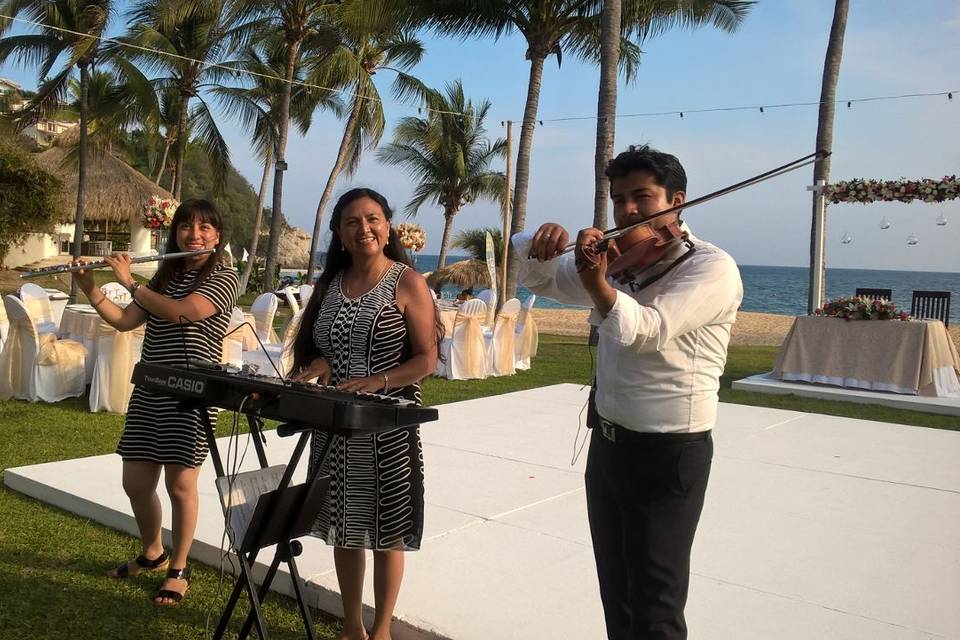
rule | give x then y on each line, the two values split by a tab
207	135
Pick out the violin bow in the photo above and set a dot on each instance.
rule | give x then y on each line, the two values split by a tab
616	232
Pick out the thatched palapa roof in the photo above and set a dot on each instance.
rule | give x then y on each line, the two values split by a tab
113	191
464	274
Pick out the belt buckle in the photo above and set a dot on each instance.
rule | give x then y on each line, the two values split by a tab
608	431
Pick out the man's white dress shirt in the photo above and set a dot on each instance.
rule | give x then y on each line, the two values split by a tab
661	349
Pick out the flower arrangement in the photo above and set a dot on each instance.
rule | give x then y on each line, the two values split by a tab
412	236
158	212
862	308
903	190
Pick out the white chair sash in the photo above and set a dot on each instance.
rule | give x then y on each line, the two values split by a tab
16	361
468	347
527	342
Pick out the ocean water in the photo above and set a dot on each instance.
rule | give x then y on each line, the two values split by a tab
783	290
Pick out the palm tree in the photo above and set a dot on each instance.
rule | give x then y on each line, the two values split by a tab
474	242
610	18
306	30
821	170
552	26
448	155
375	36
182	39
164	126
62	23
259	109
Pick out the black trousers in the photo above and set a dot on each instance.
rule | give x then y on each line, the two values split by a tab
644	498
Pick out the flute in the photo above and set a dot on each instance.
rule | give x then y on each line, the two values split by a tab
70	268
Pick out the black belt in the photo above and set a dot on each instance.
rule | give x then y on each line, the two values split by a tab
617	433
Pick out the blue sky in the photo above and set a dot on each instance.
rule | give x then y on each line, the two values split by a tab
891	48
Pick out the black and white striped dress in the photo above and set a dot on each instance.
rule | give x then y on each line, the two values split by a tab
155	429
375	499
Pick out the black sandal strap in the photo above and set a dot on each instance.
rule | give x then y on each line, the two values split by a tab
180	574
170	595
151	564
123	570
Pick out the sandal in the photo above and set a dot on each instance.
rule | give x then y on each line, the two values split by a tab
140	565
175	596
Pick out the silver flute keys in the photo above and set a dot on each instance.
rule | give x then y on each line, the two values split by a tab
70	268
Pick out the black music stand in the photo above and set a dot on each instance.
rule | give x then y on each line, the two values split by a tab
280	516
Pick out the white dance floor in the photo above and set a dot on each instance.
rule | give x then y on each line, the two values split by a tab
814	526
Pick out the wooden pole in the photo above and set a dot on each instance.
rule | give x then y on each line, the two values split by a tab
507	209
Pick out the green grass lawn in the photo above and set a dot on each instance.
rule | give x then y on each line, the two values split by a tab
52	562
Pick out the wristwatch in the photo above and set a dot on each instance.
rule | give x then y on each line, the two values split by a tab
133	287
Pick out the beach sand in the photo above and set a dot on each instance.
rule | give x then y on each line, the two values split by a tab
750	329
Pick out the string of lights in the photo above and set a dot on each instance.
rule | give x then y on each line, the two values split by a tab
346	93
756	107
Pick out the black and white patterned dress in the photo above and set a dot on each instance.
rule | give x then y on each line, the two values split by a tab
155	429
375	499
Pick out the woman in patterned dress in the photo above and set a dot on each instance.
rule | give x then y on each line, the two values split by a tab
186	307
370	326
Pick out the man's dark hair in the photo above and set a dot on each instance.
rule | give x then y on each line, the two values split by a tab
665	168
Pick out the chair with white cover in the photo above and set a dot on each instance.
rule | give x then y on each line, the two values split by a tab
306	290
117	293
264	308
117	353
37	301
291	300
464	351
489	297
281	355
232	350
36	366
500	347
58	302
528	337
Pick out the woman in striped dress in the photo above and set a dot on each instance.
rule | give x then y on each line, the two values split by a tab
370	326
186	307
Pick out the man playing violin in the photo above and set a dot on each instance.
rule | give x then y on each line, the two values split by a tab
664	303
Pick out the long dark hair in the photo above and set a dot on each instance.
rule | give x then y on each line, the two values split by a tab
187	212
339	259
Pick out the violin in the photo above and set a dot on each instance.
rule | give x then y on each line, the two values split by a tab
641	247
641	244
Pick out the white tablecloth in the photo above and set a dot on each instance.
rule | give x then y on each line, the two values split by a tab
915	357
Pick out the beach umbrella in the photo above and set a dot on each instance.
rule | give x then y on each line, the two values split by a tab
463	274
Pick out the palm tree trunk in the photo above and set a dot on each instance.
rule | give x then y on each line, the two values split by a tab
257	221
276	221
821	170
81	173
606	108
163	162
181	145
523	167
448	215
348	133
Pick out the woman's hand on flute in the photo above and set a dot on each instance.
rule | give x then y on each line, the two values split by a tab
84	278
120	263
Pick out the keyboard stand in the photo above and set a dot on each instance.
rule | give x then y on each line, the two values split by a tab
280	516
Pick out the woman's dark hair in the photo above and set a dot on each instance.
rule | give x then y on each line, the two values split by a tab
665	168
188	211
338	259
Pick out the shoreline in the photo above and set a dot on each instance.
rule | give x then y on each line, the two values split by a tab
752	328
